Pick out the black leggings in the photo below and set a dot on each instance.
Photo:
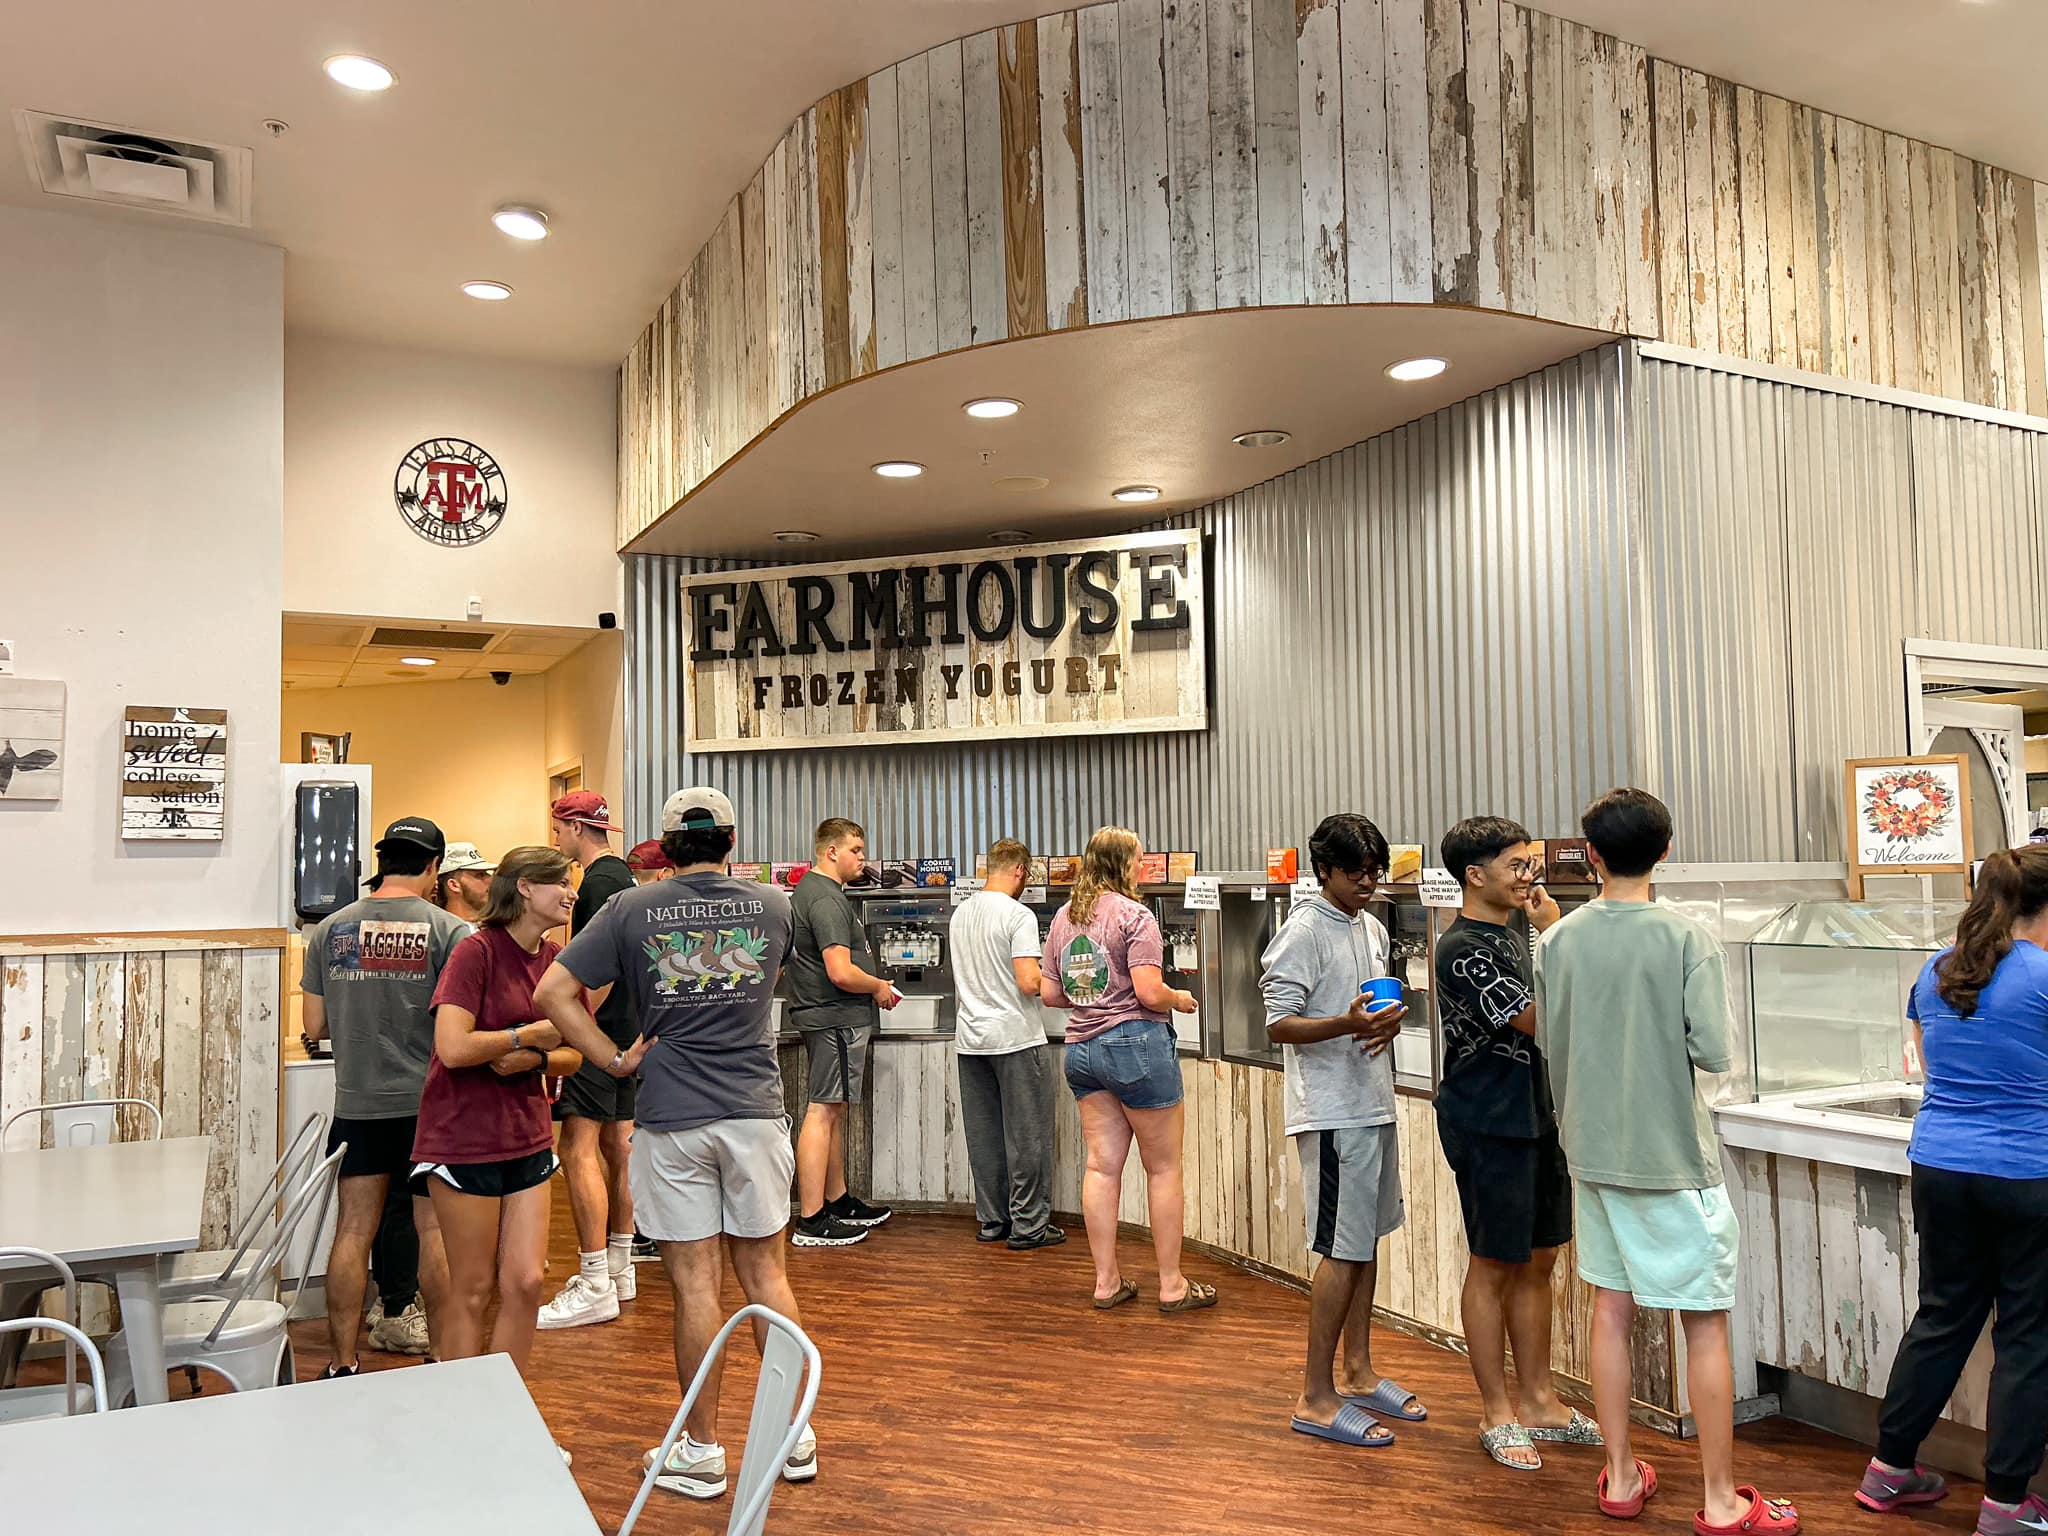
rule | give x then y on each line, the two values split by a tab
1983	1242
395	1251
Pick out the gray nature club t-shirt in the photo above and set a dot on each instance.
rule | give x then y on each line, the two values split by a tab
825	918
375	964
697	957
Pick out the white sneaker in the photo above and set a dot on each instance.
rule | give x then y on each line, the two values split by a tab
802	1465
405	1334
625	1284
699	1477
580	1302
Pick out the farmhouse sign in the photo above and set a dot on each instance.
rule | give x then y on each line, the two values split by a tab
1030	640
174	774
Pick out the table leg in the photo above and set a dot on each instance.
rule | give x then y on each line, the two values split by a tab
17	1299
142	1320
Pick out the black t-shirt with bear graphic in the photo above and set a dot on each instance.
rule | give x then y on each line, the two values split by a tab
1493	1077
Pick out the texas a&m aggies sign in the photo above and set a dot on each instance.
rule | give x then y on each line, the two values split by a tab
1030	640
450	492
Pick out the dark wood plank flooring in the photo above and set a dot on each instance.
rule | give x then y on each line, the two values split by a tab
970	1389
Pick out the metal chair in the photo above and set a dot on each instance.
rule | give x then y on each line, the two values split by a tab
18	1403
245	1341
216	1271
83	1122
788	1360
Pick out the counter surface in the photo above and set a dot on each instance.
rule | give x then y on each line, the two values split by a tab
1802	1125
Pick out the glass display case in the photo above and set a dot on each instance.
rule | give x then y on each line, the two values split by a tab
1828	986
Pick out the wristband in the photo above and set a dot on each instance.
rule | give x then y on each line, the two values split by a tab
514	1033
612	1066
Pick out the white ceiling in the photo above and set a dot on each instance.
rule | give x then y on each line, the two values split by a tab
1964	74
634	121
1152	402
323	651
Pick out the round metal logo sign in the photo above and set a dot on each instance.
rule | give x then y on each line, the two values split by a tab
451	492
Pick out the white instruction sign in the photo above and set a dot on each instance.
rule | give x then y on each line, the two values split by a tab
1258	893
962	889
1033	896
1200	894
1441	889
1306	887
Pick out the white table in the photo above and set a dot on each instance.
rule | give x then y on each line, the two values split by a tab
444	1448
111	1212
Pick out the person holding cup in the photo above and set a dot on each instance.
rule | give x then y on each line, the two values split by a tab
1334	1011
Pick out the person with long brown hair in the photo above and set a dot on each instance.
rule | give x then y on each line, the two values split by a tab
485	1145
1104	960
1980	1201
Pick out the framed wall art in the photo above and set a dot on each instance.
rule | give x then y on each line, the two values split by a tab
174	774
1907	816
31	739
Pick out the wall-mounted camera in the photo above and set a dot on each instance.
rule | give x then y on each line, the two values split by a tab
502	679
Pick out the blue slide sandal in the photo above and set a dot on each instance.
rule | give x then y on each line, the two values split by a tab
1391	1399
1352	1426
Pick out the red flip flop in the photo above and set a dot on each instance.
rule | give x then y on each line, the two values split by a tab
1776	1517
1628	1509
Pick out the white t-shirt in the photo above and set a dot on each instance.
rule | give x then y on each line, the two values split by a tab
989	930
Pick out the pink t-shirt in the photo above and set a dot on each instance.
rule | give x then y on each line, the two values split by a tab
1091	963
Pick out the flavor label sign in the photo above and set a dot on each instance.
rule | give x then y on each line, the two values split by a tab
1028	640
174	774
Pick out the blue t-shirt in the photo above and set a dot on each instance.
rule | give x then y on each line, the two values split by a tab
1986	1107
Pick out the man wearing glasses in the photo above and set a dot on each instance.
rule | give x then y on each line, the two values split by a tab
1499	1135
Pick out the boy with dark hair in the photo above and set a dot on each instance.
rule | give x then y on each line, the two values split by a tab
1340	1112
1499	1135
1632	1004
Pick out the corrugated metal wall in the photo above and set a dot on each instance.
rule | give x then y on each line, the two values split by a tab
1793	538
1422	627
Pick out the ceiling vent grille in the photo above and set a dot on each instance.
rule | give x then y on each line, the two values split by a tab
431	639
103	163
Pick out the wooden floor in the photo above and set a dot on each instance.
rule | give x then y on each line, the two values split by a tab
970	1389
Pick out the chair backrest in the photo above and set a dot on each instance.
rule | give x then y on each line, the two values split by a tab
75	1342
305	1146
50	1261
84	1122
783	1400
313	1196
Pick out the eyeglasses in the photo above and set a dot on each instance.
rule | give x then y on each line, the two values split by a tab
1521	869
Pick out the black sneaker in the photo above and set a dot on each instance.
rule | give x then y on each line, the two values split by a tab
825	1230
645	1250
336	1372
1047	1236
858	1213
992	1234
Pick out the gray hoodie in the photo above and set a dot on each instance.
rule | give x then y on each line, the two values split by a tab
1313	969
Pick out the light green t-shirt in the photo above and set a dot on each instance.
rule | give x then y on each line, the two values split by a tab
1632	1003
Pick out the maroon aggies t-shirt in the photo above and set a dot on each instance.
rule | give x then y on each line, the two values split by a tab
471	1114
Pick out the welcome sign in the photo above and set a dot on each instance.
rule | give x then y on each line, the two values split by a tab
1028	640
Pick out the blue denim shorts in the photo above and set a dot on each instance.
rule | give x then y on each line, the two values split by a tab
1134	1060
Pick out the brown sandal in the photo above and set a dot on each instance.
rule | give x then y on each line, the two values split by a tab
1198	1296
1116	1298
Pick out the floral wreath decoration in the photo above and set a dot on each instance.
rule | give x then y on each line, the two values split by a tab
1901	821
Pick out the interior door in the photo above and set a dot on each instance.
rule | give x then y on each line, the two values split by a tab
1993	741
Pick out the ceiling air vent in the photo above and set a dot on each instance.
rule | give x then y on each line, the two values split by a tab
103	163
431	639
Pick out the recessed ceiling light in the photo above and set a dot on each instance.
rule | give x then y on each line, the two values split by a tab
1417	368
521	223
1269	438
489	291
992	409
1136	493
1009	536
899	469
417	661
1021	482
358	73
796	536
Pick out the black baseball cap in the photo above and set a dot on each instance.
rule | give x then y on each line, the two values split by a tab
416	832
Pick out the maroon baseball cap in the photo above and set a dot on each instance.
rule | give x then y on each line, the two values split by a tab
648	856
586	806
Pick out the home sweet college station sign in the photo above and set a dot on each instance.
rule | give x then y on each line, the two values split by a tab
1030	640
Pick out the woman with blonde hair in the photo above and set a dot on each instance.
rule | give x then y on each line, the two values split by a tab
1104	961
484	1148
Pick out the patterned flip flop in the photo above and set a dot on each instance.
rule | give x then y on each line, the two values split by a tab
1502	1438
1580	1430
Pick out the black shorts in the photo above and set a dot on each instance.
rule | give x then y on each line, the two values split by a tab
1515	1192
591	1093
494	1181
376	1148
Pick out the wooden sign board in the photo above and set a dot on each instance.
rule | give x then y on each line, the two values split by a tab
1028	640
174	774
31	739
1906	816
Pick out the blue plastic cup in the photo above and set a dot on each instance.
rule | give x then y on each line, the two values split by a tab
1382	990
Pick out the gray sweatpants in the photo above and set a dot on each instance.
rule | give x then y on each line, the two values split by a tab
1007	1104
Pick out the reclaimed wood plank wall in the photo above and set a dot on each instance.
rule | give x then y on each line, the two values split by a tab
194	1031
1242	1193
1133	159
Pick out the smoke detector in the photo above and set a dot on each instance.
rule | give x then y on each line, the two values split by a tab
106	163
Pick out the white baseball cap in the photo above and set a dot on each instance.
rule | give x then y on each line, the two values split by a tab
462	857
697	809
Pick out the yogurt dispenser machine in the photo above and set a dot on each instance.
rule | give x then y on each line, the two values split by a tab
909	936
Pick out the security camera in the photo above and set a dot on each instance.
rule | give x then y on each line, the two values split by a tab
502	679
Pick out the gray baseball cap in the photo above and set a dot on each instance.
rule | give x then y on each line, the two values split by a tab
465	856
696	809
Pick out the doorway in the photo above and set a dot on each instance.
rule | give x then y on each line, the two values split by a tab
1984	703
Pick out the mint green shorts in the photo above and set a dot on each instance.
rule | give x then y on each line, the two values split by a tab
1674	1248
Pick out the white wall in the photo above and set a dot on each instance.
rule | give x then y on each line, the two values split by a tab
141	492
352	411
